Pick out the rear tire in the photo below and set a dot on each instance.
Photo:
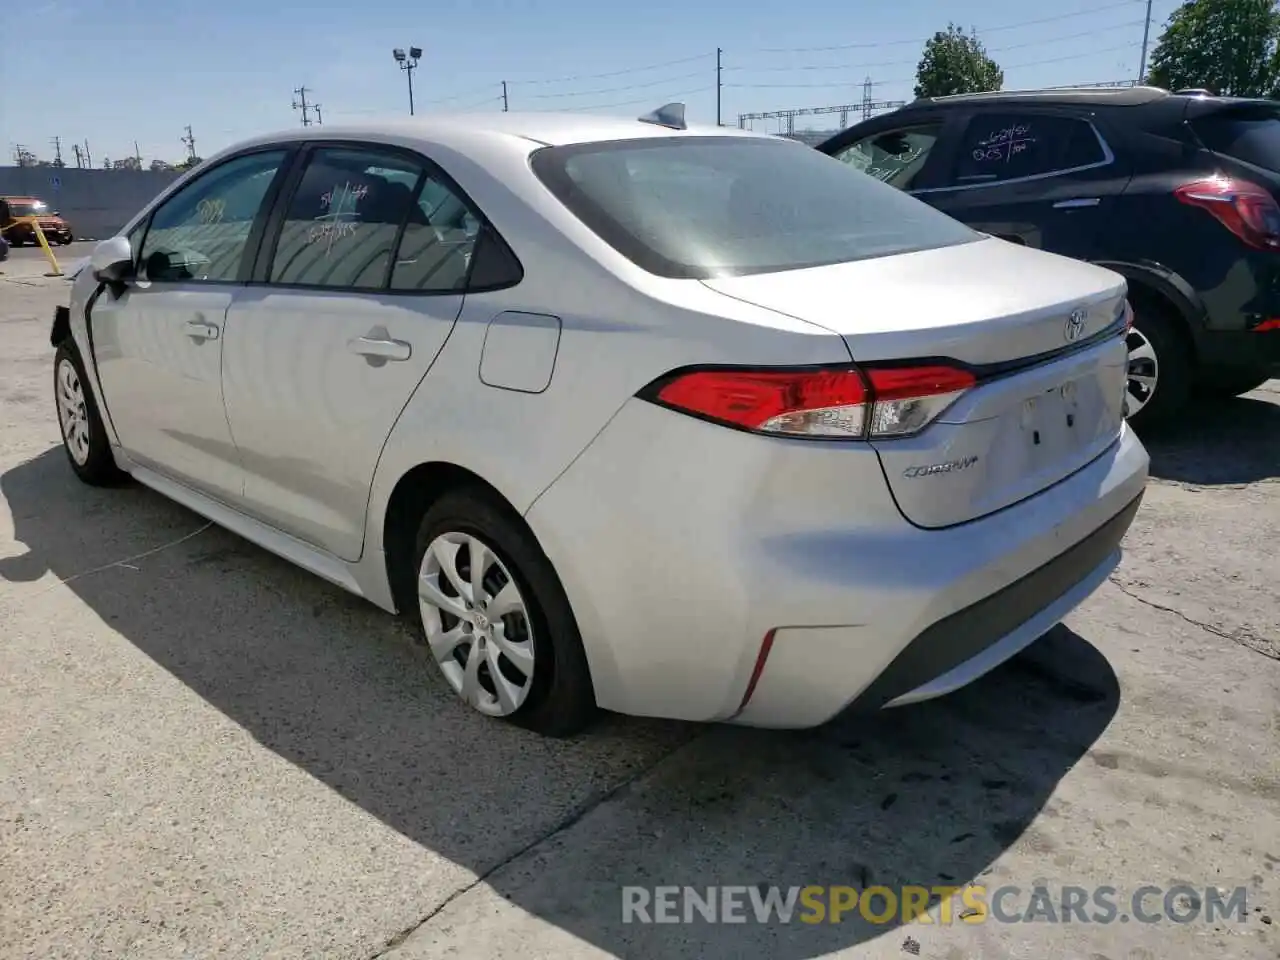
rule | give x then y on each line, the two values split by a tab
1161	366
1231	381
516	621
84	438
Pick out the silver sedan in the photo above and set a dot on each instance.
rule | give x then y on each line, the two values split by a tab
672	421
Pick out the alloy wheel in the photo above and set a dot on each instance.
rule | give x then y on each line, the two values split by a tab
477	623
73	415
1143	372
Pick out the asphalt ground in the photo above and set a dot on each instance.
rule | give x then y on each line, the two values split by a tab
206	752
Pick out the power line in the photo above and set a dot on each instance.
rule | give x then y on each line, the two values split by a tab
642	100
631	86
1054	41
618	73
1009	26
878	83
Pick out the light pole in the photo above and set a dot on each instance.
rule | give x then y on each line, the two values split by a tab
408	63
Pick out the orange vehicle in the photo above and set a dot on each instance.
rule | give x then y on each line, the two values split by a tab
16	214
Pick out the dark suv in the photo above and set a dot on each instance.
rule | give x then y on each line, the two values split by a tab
1176	191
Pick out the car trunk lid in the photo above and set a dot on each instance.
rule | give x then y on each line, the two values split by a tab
1042	335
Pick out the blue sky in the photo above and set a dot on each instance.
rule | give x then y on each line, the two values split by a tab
115	71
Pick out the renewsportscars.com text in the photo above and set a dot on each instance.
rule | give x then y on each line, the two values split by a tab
935	904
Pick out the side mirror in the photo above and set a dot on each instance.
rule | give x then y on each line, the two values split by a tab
112	260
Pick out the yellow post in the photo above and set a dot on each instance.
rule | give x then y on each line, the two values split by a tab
48	251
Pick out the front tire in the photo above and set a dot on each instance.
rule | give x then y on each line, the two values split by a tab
84	438
495	617
1161	367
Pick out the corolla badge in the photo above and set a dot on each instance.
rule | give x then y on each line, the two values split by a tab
948	466
1075	324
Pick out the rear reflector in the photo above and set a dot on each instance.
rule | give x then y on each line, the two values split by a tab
1246	209
1271	324
843	403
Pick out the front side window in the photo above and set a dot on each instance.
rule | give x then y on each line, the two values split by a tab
895	157
200	233
439	239
1008	146
728	206
341	224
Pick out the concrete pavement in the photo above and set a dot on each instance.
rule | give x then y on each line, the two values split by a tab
206	752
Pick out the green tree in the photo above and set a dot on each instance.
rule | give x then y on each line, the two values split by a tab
1225	46
956	62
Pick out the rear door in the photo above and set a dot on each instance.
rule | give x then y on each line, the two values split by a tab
1043	178
365	264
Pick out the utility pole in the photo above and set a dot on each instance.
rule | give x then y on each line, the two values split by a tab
319	120
57	152
88	158
719	85
137	154
79	156
1146	36
505	105
300	103
190	141
866	99
408	62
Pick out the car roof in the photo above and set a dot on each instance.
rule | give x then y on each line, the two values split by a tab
540	129
1135	96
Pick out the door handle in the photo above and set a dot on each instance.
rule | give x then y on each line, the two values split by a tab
380	348
1078	204
199	330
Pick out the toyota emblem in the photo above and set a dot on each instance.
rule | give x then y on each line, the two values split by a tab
1075	325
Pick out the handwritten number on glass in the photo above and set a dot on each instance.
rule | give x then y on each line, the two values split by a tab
1004	145
340	216
211	211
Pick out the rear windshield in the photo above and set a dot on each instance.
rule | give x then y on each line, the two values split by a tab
707	207
1251	134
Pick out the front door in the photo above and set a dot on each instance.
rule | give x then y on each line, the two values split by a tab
365	281
158	346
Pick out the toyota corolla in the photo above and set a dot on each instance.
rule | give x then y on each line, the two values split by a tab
678	422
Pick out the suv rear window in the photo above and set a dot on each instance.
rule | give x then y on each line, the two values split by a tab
1251	134
705	207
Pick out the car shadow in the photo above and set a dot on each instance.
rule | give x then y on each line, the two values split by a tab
926	795
1217	442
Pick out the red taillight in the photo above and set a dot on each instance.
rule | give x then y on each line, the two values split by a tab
1272	324
840	403
1244	208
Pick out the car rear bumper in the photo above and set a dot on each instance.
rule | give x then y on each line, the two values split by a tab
683	545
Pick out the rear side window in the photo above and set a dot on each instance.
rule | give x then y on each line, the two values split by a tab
1009	146
439	239
727	206
344	218
1251	135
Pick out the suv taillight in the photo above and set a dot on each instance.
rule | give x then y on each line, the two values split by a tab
1246	209
841	403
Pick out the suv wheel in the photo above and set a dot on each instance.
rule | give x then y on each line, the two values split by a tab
496	619
1160	367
